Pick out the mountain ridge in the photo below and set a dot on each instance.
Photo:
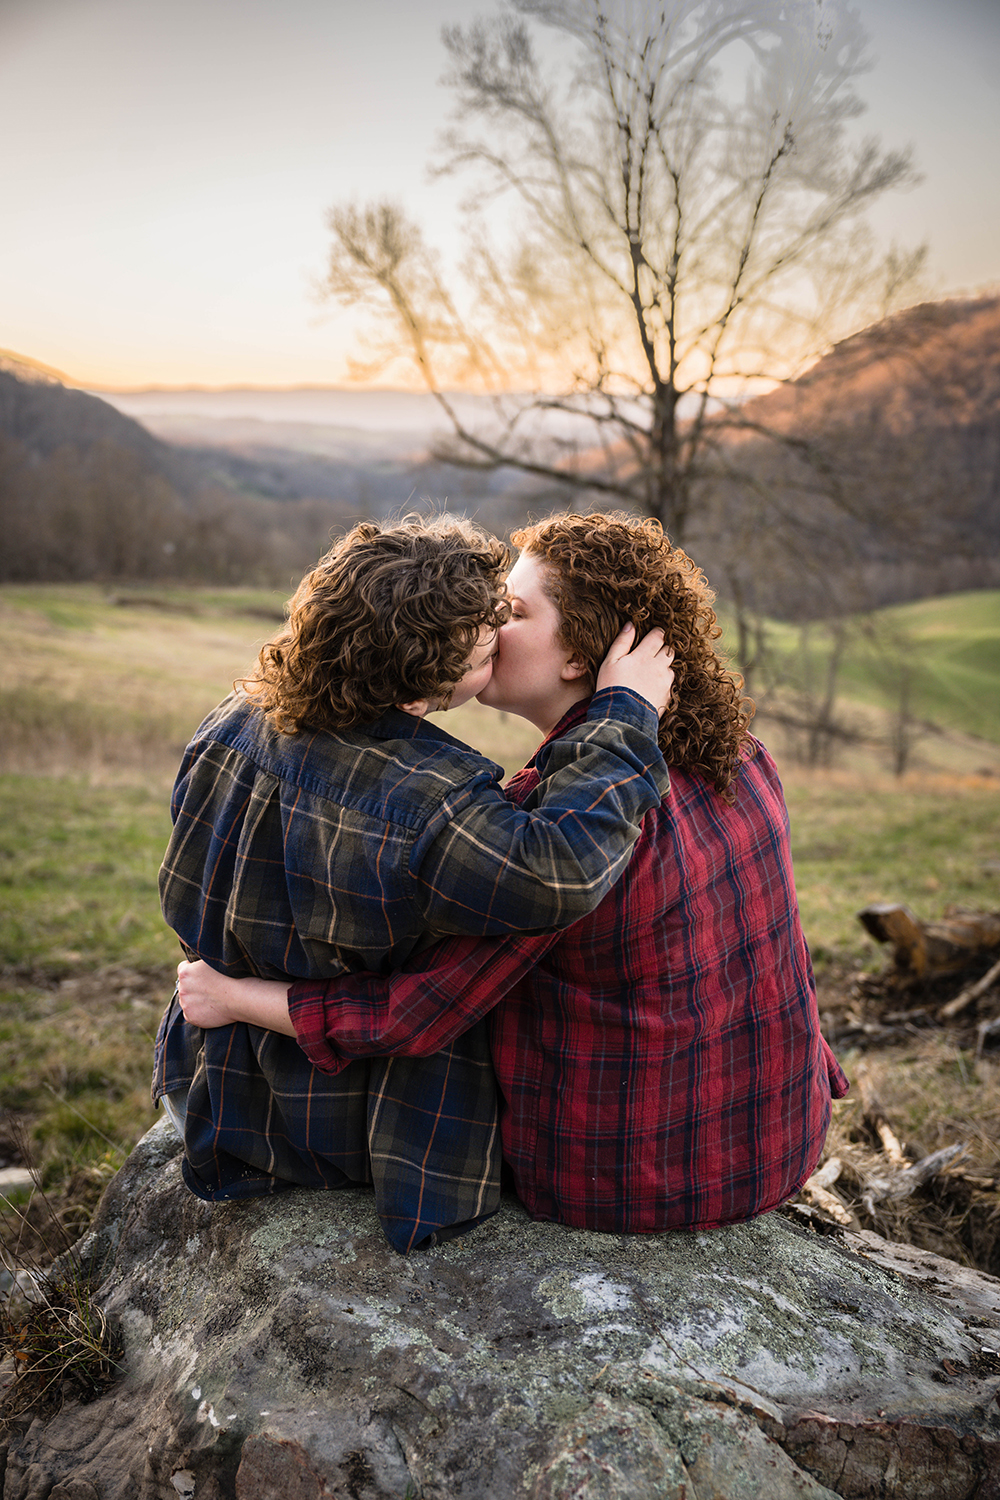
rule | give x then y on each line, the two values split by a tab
907	411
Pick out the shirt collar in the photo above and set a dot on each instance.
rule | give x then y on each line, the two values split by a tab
395	725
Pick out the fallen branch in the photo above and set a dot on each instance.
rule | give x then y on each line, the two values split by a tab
892	1188
817	1191
826	1175
903	1184
970	993
876	1119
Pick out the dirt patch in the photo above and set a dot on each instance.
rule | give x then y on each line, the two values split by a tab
151	986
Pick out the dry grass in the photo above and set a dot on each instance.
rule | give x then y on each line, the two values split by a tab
54	1339
935	1094
59	1344
108	691
112	691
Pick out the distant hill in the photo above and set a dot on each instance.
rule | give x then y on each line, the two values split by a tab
937	363
373	470
86	492
372	449
38	411
887	467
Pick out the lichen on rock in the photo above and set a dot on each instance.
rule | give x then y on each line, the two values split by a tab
281	1347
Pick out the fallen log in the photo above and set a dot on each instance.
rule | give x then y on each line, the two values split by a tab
922	950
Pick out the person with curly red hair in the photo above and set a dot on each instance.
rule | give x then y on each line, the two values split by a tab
660	1062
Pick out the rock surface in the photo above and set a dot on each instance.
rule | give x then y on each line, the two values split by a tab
279	1350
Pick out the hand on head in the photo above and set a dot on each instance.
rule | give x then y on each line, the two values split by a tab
644	666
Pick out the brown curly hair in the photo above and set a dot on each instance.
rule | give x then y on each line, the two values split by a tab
603	570
390	615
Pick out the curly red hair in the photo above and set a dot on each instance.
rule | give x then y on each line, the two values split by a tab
390	615
603	570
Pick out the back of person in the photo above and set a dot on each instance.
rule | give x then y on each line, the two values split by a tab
662	1065
311	860
660	1060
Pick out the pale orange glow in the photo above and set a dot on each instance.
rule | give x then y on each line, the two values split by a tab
165	204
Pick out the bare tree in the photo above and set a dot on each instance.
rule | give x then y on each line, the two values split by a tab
687	227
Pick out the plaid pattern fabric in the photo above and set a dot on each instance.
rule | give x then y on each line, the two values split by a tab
318	854
259	1119
315	853
660	1062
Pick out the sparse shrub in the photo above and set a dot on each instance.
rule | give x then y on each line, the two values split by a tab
57	1339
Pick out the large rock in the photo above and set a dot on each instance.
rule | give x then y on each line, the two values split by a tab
280	1349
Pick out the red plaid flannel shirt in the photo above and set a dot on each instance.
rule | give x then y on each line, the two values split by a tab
660	1062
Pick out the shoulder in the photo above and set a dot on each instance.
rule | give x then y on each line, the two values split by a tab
406	774
233	710
756	789
396	769
754	752
757	768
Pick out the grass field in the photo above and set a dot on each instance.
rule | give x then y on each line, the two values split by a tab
947	649
99	696
952	646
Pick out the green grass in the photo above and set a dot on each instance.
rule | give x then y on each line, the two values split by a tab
78	867
89	965
953	646
948	648
926	844
84	606
76	1071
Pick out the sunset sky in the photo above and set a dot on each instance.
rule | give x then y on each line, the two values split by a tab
166	166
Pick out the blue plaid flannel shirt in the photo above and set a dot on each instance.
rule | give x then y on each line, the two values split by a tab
313	855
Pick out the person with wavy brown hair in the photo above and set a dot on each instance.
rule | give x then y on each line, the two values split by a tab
390	615
660	1062
323	824
601	570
